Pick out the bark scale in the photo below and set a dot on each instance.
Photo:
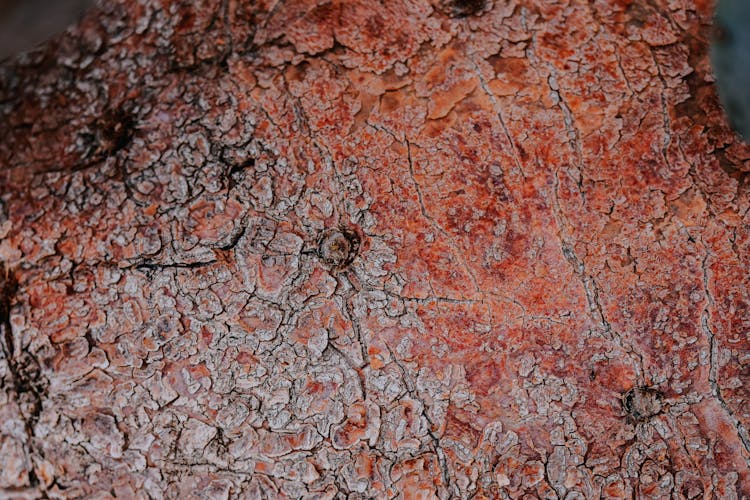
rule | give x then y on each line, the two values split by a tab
329	248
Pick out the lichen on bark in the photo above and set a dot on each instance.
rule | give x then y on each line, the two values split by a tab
312	249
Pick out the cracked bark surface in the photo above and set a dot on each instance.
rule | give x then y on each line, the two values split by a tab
320	248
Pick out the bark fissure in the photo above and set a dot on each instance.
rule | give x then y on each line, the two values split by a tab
713	362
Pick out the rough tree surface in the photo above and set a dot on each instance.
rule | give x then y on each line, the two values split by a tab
380	249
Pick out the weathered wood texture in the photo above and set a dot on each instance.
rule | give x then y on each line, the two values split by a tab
382	248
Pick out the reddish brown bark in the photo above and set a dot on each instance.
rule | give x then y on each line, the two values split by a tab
314	248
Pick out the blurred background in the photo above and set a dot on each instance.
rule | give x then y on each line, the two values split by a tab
25	24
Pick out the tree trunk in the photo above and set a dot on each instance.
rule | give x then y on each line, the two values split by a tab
326	248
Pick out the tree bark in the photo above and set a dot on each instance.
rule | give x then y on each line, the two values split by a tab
347	248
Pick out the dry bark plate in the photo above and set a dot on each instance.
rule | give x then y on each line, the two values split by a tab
318	249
